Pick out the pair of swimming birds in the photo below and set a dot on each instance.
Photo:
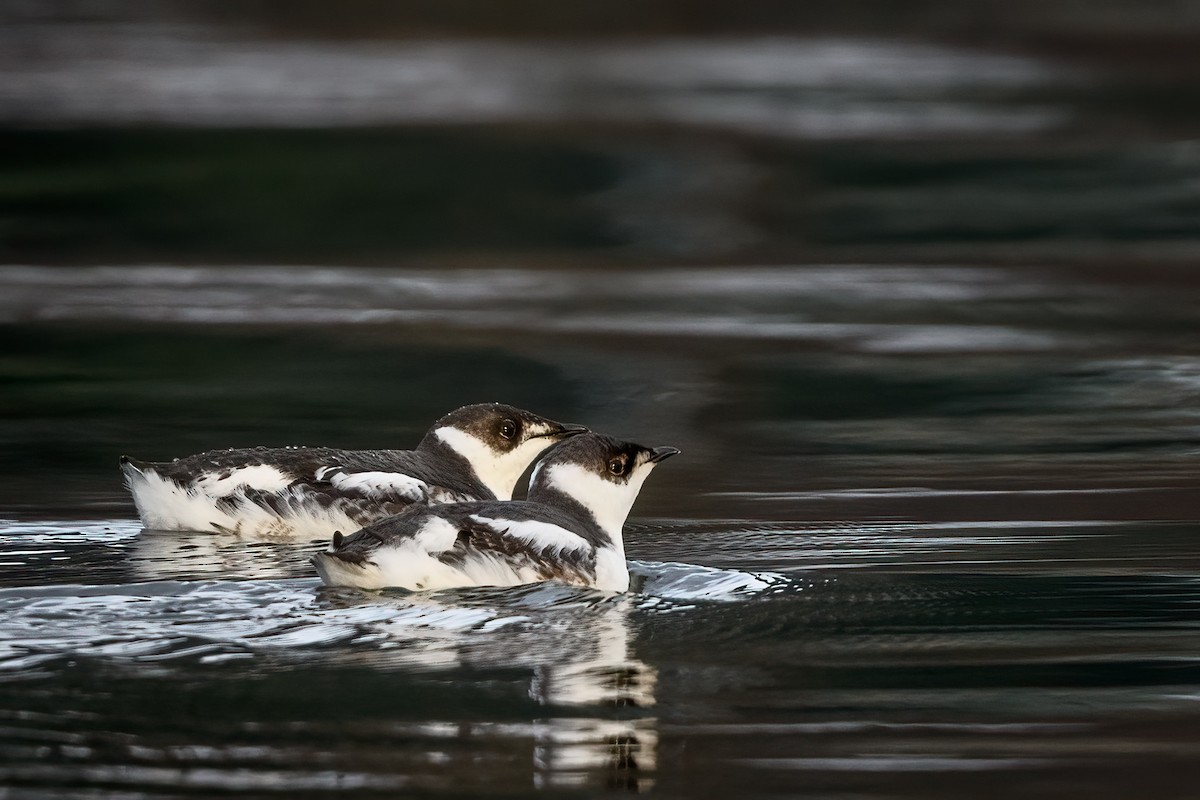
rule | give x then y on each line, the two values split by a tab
436	517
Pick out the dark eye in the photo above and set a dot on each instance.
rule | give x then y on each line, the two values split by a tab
508	429
616	466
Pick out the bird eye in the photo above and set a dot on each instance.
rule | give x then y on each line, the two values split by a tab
616	466
508	429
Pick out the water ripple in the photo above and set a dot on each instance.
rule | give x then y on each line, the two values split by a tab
898	309
201	75
216	619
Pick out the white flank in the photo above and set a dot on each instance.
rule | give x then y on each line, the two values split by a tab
165	505
412	564
539	535
419	570
336	572
259	476
379	485
407	564
497	471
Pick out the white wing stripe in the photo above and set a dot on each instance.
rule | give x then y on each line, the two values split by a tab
263	477
541	535
381	484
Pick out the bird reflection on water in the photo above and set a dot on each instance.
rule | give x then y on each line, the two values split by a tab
180	555
578	645
622	747
579	648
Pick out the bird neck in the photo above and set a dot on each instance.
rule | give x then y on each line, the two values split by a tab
493	470
601	505
440	450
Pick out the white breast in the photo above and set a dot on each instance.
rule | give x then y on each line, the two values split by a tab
612	572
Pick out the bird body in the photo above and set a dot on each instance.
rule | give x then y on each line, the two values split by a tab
475	453
569	529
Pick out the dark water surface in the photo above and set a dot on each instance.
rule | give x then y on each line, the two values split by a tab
934	534
912	286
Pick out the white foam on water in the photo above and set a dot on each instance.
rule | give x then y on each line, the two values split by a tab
676	581
576	637
14	533
170	619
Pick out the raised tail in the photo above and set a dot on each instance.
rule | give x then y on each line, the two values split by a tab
134	477
339	566
131	466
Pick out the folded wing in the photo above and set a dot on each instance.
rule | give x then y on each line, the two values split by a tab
532	549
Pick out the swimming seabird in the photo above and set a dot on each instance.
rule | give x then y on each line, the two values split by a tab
569	529
477	452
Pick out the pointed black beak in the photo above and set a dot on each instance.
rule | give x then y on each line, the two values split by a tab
659	453
564	430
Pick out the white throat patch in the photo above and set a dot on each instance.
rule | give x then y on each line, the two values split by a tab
497	471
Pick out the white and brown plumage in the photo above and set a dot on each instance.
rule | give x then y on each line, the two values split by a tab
477	452
569	529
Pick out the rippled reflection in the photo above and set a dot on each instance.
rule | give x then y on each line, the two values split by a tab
579	648
216	599
867	88
940	649
606	674
180	555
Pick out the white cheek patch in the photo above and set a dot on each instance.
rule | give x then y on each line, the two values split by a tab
381	485
497	471
608	501
260	476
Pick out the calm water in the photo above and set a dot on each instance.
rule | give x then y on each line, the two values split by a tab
934	534
914	290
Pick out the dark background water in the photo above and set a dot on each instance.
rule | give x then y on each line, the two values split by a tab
914	289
